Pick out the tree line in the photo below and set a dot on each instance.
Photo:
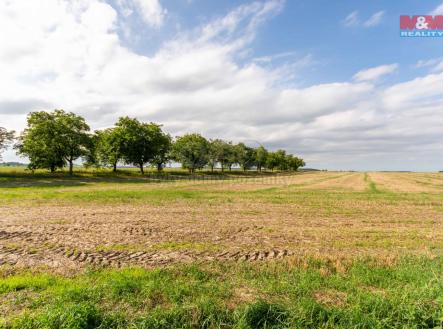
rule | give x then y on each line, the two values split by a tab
53	140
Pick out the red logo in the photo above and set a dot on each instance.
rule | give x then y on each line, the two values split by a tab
423	22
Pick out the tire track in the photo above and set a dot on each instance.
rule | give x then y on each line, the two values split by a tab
50	254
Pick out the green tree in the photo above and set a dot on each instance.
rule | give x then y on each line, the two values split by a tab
6	137
261	155
140	141
276	160
90	158
191	150
215	153
163	154
271	161
280	156
294	162
244	156
109	147
53	139
230	155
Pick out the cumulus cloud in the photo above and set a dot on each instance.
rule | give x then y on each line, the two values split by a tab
375	73
68	54
151	11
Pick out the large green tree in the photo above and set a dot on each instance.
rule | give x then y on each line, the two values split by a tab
261	155
293	162
6	137
163	153
215	153
109	147
141	142
245	156
191	150
276	160
52	139
230	156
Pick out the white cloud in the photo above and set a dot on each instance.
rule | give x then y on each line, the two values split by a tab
435	63
438	67
65	54
375	73
152	11
352	19
418	92
438	10
375	19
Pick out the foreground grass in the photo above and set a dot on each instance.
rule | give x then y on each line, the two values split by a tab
289	294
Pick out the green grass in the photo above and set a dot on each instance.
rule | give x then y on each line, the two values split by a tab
291	293
372	186
22	177
318	294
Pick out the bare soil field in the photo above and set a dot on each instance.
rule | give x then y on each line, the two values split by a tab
325	214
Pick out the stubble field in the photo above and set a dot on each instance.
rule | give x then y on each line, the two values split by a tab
313	249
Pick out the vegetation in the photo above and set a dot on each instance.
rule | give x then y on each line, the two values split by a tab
107	148
55	139
140	142
191	151
363	294
6	137
366	250
52	139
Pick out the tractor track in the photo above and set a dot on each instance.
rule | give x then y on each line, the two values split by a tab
32	247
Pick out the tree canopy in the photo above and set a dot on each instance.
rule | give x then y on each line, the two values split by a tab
6	137
52	139
191	150
109	147
141	142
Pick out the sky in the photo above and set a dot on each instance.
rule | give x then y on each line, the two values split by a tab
329	81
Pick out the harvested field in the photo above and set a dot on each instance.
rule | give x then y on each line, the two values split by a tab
330	214
360	249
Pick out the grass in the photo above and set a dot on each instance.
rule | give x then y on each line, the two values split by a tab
22	177
311	294
372	186
372	258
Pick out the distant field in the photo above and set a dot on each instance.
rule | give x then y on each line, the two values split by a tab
243	250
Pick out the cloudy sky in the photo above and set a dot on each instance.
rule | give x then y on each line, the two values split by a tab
330	81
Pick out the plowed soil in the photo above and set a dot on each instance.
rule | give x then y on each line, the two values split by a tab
124	224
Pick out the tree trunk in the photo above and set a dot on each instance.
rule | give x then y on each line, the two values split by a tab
142	170
52	168
212	168
71	165
159	167
114	169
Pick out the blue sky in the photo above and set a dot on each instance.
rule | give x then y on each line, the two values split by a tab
317	28
331	81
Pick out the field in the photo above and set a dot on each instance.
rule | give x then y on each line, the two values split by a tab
306	250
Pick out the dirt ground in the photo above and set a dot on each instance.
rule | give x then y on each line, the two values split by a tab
325	213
